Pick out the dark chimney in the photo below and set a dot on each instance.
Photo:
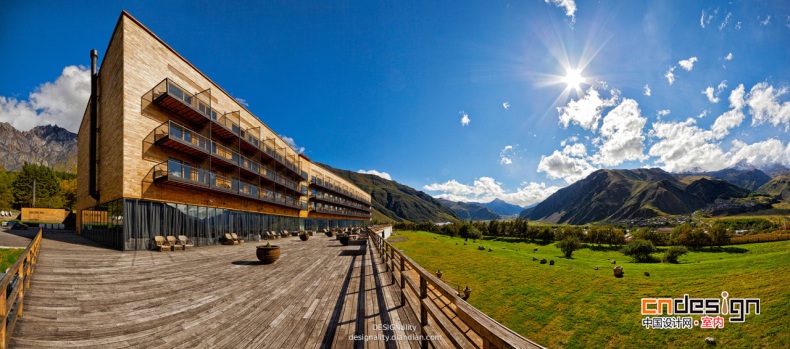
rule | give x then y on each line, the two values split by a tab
93	133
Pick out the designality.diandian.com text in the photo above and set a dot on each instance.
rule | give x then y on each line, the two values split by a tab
406	333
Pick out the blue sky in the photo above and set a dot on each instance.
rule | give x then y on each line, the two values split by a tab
466	100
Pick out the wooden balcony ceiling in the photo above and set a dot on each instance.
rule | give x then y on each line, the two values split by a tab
317	294
178	107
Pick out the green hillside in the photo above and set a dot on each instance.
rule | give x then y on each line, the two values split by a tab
471	210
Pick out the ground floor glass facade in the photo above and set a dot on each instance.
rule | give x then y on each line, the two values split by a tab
130	224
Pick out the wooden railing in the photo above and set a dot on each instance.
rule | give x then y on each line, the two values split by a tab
14	285
442	312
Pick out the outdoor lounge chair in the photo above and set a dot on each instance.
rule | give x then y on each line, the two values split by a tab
229	240
173	242
185	242
237	238
160	244
273	235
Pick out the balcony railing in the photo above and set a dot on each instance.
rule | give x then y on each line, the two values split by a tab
225	155
340	211
178	173
323	184
338	200
174	135
193	107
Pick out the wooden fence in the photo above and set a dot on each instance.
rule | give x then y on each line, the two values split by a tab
442	312
14	284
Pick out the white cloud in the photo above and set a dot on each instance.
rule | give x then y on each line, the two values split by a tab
760	154
684	147
703	114
705	20
738	26
568	5
764	105
242	101
663	112
726	21
506	105
465	118
486	189
621	135
577	150
571	139
586	111
728	57
766	21
710	93
702	19
290	141
61	103
506	155
559	165
384	175
647	91
788	22
687	64
670	75
713	94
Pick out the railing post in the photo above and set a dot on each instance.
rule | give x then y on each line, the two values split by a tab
392	265
4	321
21	297
423	312
402	283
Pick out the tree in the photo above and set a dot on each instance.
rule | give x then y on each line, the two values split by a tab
6	192
719	235
469	231
546	234
568	245
639	250
673	253
651	235
47	187
694	239
678	232
493	228
68	189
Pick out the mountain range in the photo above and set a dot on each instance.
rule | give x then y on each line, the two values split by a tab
610	195
49	145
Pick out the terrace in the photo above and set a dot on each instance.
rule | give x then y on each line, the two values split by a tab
318	294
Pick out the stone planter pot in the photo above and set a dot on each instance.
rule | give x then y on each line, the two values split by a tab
268	255
343	239
329	233
304	237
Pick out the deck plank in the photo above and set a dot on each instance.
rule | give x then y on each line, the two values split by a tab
316	295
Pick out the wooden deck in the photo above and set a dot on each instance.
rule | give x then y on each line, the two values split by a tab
319	294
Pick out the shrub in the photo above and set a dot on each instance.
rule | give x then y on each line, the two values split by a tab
651	235
568	245
719	235
469	231
673	253
639	250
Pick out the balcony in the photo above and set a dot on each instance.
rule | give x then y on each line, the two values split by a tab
193	107
340	211
323	184
324	197
223	155
175	136
183	175
226	126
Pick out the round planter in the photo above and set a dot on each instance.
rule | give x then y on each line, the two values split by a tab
343	239
268	255
304	237
329	233
310	233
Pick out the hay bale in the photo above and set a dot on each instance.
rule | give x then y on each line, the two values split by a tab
534	258
543	261
551	262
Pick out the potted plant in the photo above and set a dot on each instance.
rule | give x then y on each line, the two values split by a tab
328	233
310	232
303	236
268	253
343	239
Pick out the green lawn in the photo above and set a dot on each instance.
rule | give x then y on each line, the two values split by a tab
8	257
572	305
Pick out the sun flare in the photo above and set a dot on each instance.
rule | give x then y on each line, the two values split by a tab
573	79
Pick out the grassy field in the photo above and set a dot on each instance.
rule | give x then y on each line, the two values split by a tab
572	305
8	257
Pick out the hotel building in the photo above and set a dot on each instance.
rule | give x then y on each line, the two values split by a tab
163	151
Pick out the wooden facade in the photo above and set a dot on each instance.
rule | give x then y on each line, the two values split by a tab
147	92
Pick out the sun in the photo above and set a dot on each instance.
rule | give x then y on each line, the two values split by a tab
573	79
